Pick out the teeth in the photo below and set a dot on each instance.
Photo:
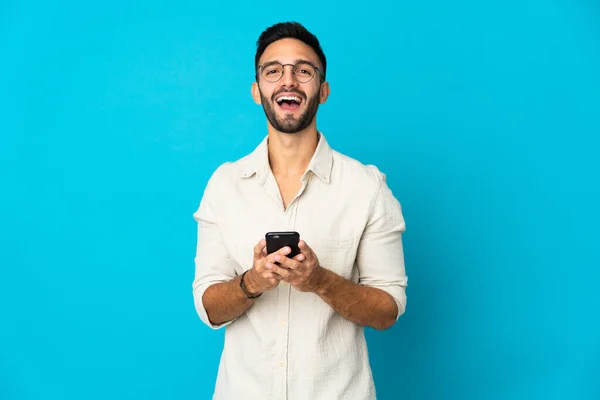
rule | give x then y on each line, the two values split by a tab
291	98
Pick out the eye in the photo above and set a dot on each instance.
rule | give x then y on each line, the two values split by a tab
304	70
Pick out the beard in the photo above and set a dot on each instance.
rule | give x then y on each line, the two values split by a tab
289	123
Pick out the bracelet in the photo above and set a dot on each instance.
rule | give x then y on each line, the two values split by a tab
248	295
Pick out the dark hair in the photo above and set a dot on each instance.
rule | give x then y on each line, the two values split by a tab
293	30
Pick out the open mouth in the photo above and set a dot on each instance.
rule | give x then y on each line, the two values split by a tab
289	102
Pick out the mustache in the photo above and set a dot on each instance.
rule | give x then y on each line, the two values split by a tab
296	91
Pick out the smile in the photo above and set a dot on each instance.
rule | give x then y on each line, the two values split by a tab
289	102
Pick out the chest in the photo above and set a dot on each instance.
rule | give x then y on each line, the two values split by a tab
289	188
329	218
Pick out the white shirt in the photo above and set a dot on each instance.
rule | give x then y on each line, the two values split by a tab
291	344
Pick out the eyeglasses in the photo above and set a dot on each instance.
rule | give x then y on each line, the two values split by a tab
303	71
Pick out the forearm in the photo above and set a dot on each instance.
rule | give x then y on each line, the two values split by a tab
363	305
225	301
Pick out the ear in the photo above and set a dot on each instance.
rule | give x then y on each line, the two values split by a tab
324	92
255	91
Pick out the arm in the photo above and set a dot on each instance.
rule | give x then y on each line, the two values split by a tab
226	301
380	255
364	305
215	270
218	298
379	298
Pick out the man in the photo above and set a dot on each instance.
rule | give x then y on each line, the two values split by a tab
295	326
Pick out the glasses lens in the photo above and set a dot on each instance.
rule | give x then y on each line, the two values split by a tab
272	72
304	72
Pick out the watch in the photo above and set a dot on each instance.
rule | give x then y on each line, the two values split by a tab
248	295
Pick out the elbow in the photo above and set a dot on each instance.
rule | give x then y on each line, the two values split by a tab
204	307
389	317
390	301
389	321
384	324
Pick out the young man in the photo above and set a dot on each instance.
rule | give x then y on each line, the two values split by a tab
295	326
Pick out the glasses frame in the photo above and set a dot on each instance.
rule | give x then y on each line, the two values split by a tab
269	63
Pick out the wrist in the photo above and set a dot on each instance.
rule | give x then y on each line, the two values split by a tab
250	283
323	282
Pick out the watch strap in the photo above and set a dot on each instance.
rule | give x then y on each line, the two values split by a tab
243	286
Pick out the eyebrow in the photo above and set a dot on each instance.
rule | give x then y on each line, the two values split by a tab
267	63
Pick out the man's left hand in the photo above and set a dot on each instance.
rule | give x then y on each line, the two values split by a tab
303	271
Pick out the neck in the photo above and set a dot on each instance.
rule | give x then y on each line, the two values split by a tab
290	153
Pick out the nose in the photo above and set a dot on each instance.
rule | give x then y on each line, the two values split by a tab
288	79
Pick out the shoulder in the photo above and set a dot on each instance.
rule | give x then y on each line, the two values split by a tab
229	171
218	188
361	175
221	174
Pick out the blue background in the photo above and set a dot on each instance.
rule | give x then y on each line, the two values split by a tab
484	116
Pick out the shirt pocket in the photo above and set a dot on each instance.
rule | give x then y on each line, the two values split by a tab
338	255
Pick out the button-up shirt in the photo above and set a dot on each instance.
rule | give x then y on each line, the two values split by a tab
291	344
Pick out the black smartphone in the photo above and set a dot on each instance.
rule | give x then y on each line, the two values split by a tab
277	240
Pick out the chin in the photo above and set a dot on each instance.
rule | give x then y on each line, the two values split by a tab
288	131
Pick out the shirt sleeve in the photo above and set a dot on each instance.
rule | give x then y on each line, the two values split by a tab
380	254
212	261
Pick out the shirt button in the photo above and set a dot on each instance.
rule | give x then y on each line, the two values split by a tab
281	363
282	322
285	283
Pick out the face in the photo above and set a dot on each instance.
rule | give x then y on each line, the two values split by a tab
290	106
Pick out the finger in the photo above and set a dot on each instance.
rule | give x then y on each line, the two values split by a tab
272	275
309	257
304	248
286	262
282	272
279	254
284	250
259	248
301	267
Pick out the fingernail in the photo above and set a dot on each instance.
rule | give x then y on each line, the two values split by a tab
277	258
268	266
287	250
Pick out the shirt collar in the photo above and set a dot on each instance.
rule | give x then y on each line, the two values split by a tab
257	162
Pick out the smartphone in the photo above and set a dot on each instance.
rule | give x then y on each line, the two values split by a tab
277	240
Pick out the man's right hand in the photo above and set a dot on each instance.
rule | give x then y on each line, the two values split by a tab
260	278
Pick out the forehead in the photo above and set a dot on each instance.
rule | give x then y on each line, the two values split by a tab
288	51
